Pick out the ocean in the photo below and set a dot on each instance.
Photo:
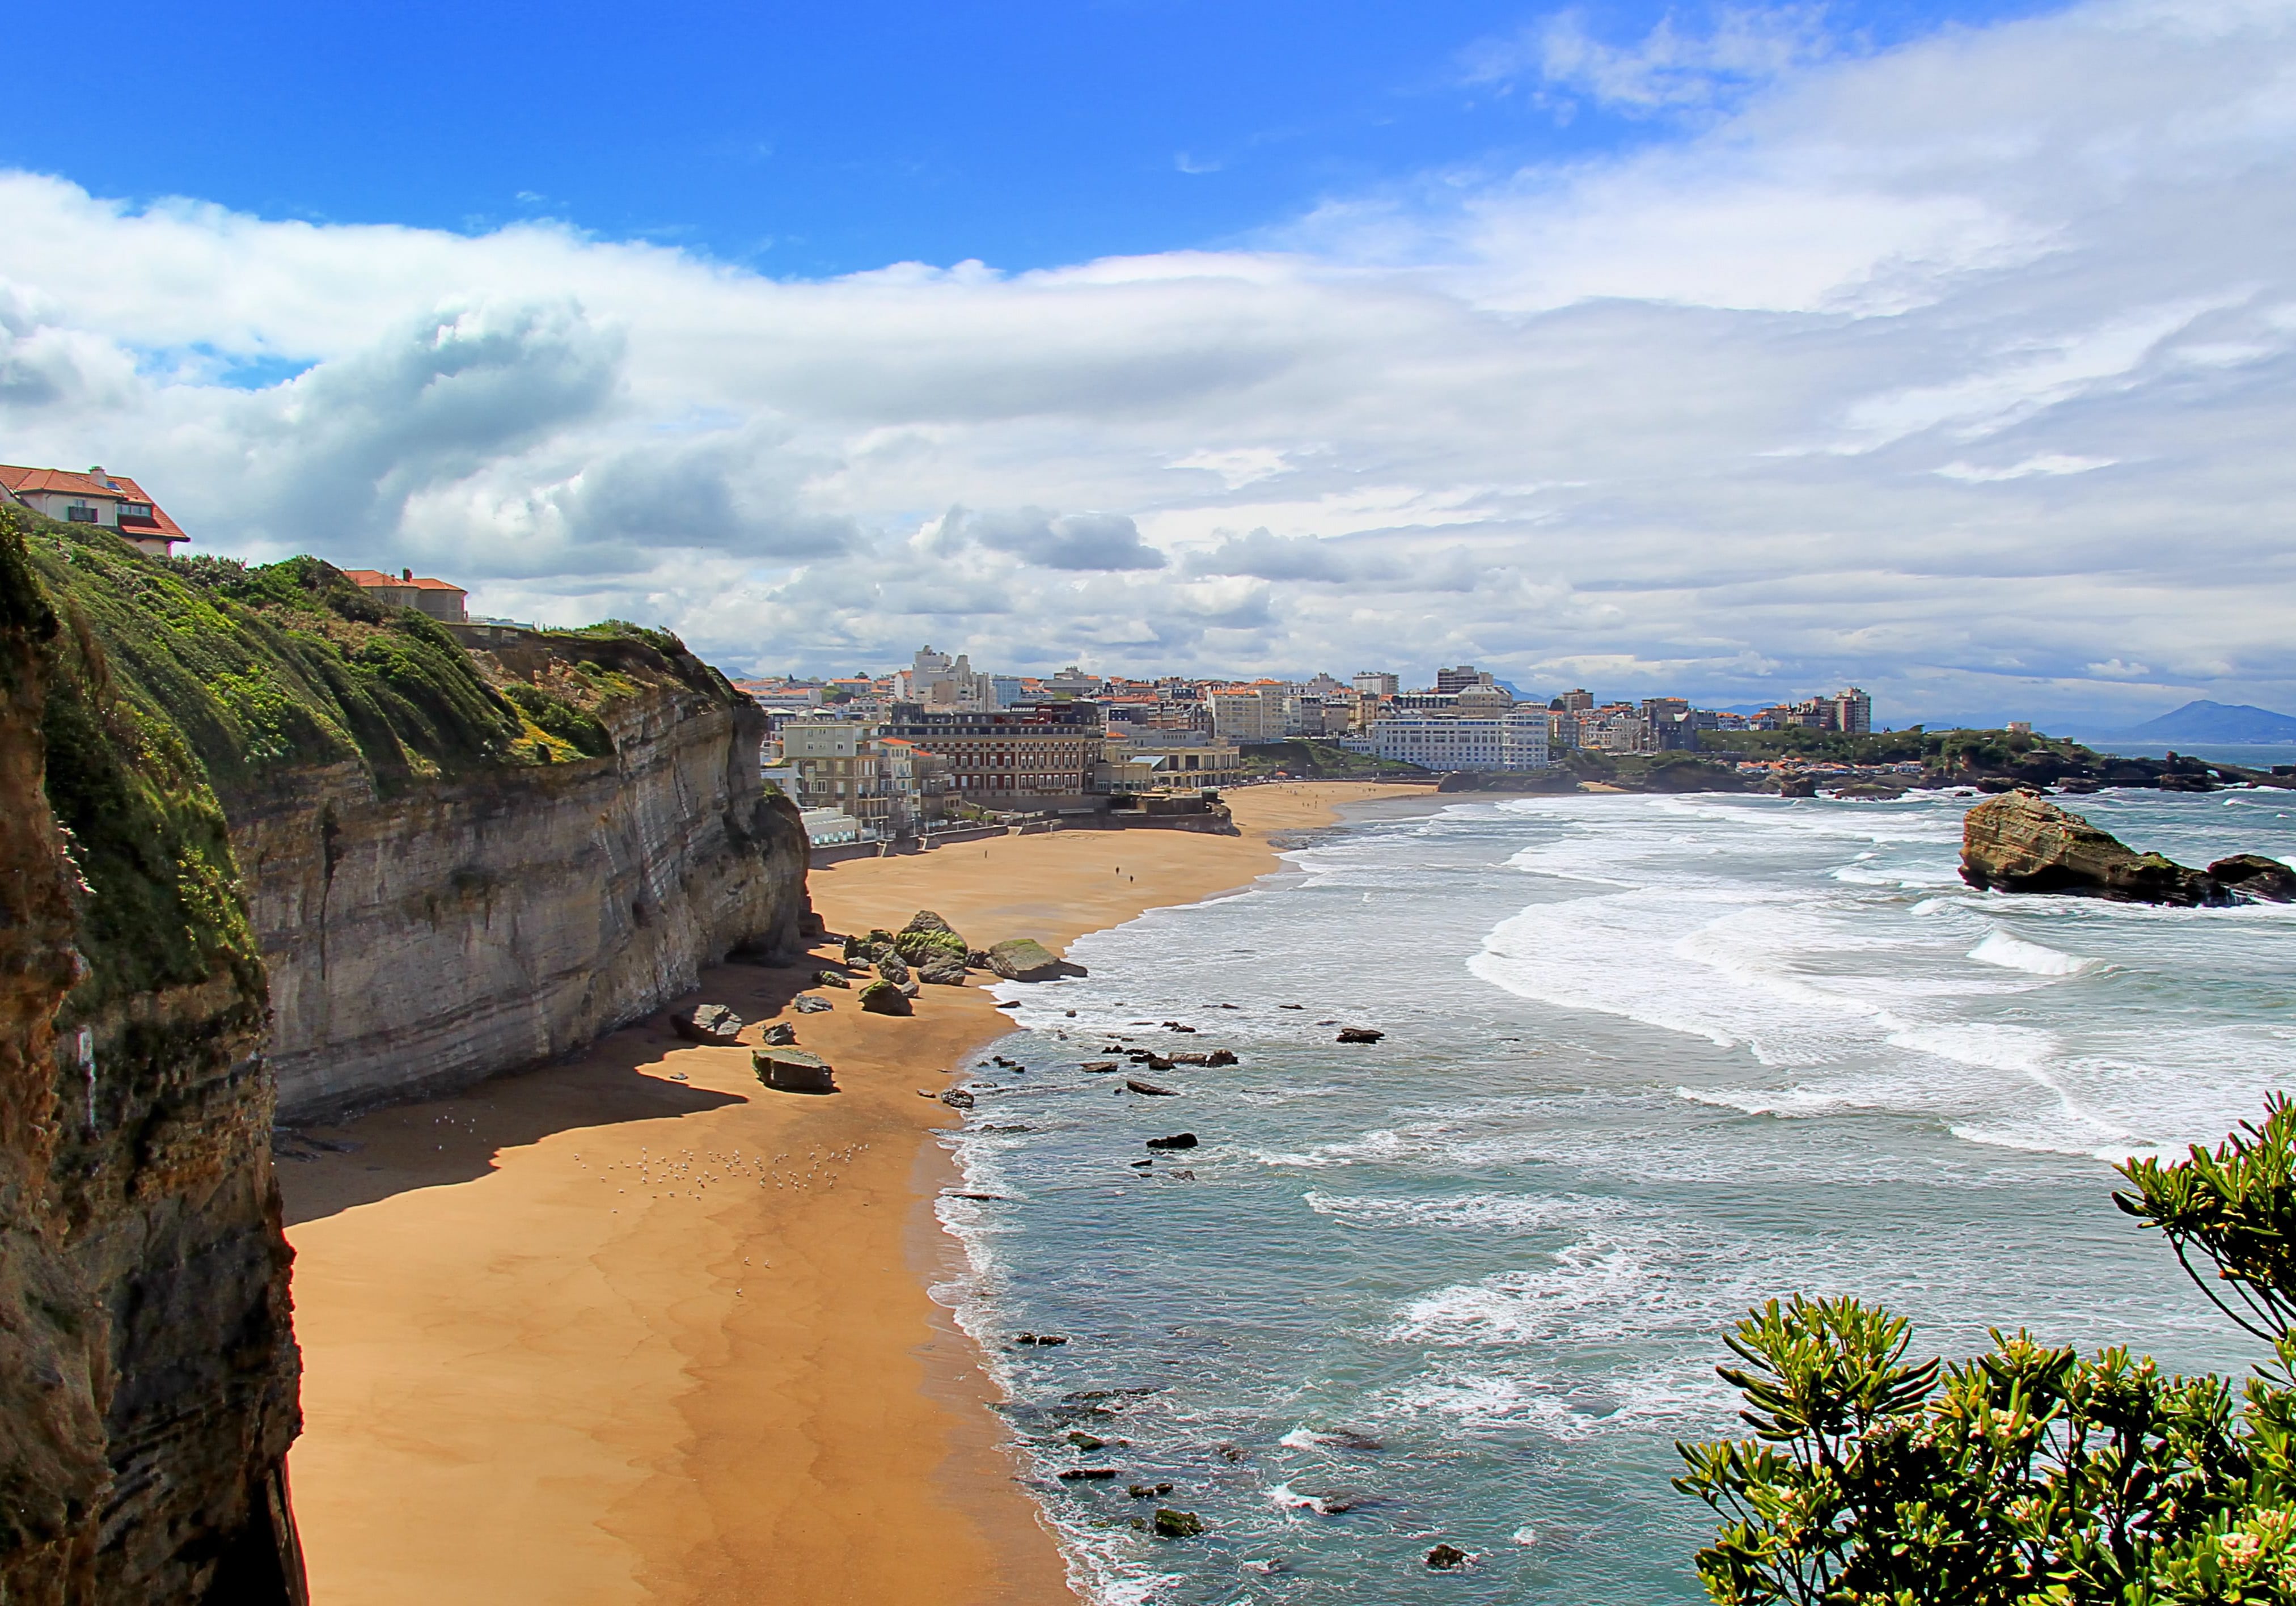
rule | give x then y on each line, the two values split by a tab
1647	1063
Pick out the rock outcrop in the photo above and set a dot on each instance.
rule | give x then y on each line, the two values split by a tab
148	1368
1025	959
2018	842
2252	875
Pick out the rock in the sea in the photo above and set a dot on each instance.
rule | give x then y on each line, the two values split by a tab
1097	1066
1170	1524
2019	842
1148	1088
710	1023
836	979
1025	959
809	1003
1444	1557
1220	1056
1359	1034
883	998
1147	1491
793	1070
1072	1474
2252	875
956	1098
781	1034
1179	1140
944	972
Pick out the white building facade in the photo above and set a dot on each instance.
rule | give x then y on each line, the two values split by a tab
1504	741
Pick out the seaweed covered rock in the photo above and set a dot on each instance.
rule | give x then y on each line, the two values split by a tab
1025	959
883	998
929	938
2019	842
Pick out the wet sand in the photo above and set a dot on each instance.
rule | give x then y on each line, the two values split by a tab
634	1328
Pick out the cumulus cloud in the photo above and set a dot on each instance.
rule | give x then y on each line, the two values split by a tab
1964	370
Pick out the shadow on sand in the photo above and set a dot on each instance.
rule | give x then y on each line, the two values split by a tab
627	1076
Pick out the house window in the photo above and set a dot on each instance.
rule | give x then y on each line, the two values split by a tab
75	514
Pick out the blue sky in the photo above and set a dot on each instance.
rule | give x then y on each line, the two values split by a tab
1733	351
822	139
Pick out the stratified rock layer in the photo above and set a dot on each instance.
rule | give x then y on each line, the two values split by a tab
2018	842
433	939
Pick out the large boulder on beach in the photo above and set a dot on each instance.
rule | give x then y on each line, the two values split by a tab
893	967
929	939
1025	959
793	1070
884	998
2019	842
944	972
708	1023
2252	875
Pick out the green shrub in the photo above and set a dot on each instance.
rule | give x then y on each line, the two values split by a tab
2029	1476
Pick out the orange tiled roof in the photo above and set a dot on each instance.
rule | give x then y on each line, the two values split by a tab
114	488
374	577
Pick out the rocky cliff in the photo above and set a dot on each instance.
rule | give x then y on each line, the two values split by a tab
466	849
504	918
147	1365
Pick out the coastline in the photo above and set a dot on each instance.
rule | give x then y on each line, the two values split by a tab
632	1328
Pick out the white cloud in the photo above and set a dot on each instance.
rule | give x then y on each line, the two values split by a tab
1819	389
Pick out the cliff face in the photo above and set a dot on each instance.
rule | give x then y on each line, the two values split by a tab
466	849
498	921
147	1367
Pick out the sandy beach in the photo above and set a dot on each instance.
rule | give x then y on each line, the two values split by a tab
633	1328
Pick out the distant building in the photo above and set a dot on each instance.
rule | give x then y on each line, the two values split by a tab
436	598
1182	758
1377	683
1512	741
1036	756
828	827
838	766
1851	712
112	501
1460	679
1259	712
934	680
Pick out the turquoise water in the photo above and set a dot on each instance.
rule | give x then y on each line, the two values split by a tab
1649	1060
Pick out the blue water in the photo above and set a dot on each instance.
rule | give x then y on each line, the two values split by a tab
1649	1060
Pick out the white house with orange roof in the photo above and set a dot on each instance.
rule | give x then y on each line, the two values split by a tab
112	502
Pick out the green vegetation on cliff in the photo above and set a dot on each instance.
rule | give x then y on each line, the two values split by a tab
1940	750
161	906
184	686
270	669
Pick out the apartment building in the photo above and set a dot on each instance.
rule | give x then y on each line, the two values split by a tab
1261	711
1377	683
1036	756
1512	741
916	784
838	765
1461	676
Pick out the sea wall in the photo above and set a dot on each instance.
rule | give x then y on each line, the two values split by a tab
466	928
148	1368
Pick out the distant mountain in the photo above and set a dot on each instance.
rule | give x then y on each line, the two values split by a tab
2214	722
